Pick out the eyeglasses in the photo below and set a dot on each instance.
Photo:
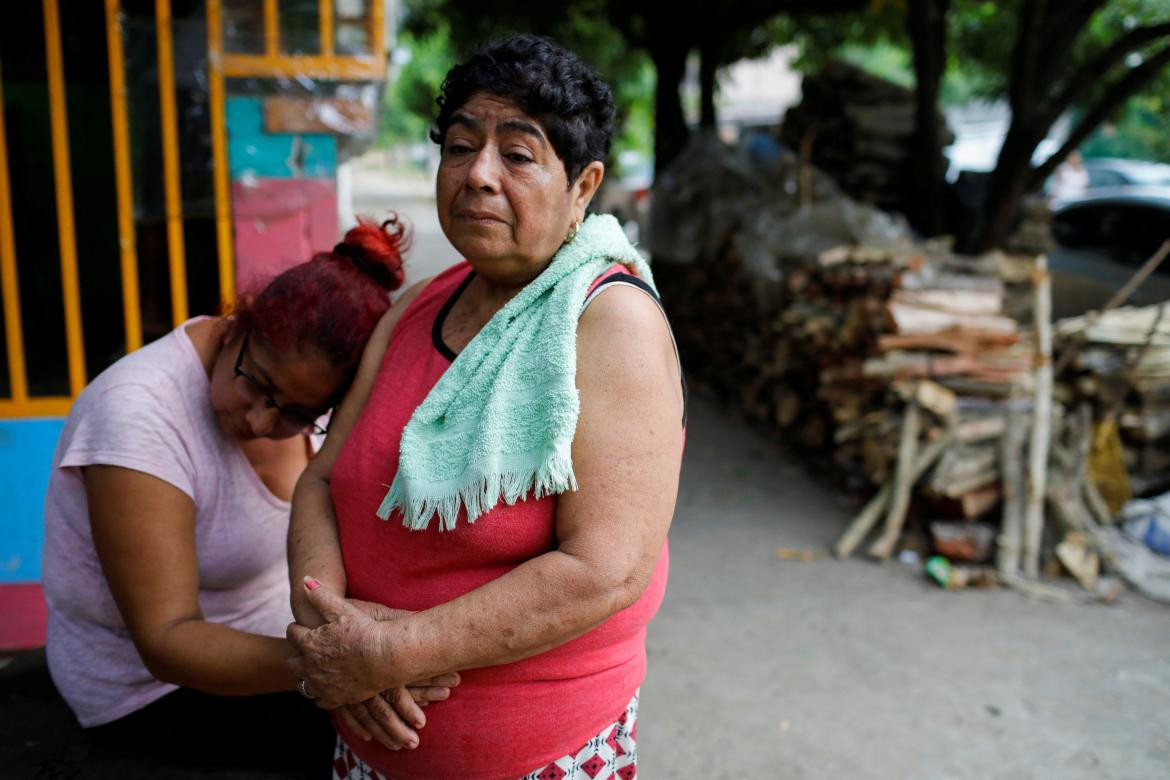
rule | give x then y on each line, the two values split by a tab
291	420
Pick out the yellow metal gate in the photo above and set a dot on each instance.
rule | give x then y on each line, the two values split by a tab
272	60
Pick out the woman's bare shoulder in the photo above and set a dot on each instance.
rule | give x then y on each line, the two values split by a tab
622	313
385	327
624	341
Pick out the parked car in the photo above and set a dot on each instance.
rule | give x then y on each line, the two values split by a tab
1102	238
1115	172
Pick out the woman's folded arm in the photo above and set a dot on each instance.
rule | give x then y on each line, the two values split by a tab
313	544
144	532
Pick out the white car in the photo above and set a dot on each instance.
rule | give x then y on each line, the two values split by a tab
1115	172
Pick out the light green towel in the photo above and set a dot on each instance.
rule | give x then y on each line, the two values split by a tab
500	421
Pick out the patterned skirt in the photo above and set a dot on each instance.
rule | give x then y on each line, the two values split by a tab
611	755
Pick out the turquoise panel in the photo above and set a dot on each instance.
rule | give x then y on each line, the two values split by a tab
26	456
254	152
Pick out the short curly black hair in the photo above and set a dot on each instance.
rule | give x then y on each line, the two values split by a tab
551	84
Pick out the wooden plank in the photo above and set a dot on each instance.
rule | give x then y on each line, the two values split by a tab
965	302
918	319
904	478
284	114
955	340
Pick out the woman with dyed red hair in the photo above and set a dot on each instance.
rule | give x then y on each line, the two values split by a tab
167	514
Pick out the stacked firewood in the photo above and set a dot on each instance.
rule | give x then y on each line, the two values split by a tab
1120	365
859	129
823	350
958	367
906	372
901	370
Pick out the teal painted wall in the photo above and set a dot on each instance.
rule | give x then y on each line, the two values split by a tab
26	455
254	152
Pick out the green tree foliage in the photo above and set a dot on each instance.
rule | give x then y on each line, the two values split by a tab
621	38
437	32
1142	132
409	105
981	40
1141	129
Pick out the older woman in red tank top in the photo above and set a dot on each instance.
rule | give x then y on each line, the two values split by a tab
525	410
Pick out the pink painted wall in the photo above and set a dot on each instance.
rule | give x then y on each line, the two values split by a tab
279	223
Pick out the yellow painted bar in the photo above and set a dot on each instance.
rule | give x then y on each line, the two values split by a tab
170	144
65	227
46	406
13	330
378	32
131	313
271	28
325	22
345	68
223	192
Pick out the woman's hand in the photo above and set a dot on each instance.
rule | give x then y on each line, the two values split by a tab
390	717
379	611
385	717
345	660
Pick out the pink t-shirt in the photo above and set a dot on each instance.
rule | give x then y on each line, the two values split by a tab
150	412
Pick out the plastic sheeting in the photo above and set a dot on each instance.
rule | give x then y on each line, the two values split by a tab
768	207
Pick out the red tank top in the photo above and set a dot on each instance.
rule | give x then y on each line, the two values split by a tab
502	721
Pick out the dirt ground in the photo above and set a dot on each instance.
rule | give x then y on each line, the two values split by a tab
764	668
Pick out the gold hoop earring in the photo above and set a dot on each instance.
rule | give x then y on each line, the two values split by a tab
572	232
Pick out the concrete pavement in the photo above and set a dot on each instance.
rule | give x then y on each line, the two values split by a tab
764	668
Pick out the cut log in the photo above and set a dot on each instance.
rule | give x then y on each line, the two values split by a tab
1042	421
978	502
980	429
868	516
919	320
904	478
935	399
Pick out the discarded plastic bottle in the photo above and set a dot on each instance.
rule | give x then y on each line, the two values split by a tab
953	577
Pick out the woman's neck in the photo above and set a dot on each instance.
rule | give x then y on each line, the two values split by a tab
485	297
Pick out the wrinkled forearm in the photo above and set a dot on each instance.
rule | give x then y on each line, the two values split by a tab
314	549
537	606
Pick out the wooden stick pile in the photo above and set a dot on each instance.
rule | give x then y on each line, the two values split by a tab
901	370
1121	368
905	376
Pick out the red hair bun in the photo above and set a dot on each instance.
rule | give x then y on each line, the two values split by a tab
377	250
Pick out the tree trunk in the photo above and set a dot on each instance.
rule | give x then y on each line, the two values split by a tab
708	64
927	22
670	125
1014	175
1009	184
